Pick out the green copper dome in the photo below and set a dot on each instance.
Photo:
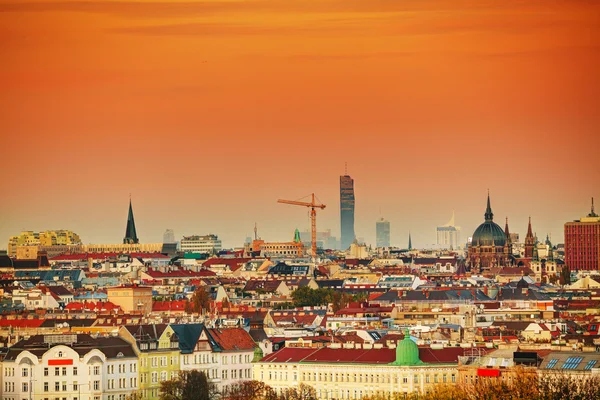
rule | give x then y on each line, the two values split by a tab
407	352
489	233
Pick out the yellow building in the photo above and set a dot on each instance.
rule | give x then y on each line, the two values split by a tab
45	238
158	353
352	371
131	298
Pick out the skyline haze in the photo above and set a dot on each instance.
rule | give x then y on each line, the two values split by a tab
208	112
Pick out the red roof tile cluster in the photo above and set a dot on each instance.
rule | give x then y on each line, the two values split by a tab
102	256
92	306
233	263
175	305
179	273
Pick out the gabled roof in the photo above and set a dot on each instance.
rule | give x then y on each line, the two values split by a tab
188	335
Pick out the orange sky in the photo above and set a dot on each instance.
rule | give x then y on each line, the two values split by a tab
208	111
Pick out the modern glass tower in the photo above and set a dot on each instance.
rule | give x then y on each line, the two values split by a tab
347	211
382	233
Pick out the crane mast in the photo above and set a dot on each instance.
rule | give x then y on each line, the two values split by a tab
313	205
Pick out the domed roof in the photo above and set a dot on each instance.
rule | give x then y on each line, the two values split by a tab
407	352
489	233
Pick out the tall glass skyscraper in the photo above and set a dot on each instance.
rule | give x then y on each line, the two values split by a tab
347	211
382	233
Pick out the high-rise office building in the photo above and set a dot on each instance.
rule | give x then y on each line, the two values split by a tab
347	211
448	236
169	236
382	233
582	243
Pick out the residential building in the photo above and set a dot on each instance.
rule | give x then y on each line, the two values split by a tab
131	298
209	244
347	203
448	236
69	366
157	349
42	239
382	233
582	243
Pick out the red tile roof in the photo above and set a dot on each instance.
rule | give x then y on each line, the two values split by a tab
448	355
232	339
21	323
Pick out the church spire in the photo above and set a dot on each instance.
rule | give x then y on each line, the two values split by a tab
130	233
529	231
507	232
489	215
409	241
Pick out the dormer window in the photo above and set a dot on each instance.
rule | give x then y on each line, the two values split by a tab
60	354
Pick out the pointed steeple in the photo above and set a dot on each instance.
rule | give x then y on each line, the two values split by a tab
297	236
409	241
130	233
506	231
489	215
529	231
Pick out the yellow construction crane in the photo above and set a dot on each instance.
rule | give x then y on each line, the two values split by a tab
313	218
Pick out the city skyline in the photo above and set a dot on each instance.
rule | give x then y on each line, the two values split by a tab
429	103
273	233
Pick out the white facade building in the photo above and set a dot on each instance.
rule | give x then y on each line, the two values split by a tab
210	244
73	367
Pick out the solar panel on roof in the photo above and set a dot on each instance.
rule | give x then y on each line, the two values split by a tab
590	364
572	362
552	363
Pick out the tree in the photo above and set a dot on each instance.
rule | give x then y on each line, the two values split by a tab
249	390
134	396
189	385
565	275
200	301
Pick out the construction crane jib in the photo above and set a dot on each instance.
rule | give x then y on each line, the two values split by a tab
313	205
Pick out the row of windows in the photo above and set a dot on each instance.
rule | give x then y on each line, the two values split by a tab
122	368
236	374
233	358
122	383
64	386
354	377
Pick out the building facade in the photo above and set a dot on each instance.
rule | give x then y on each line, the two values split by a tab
70	366
382	233
131	298
582	243
347	203
208	244
352	371
45	239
